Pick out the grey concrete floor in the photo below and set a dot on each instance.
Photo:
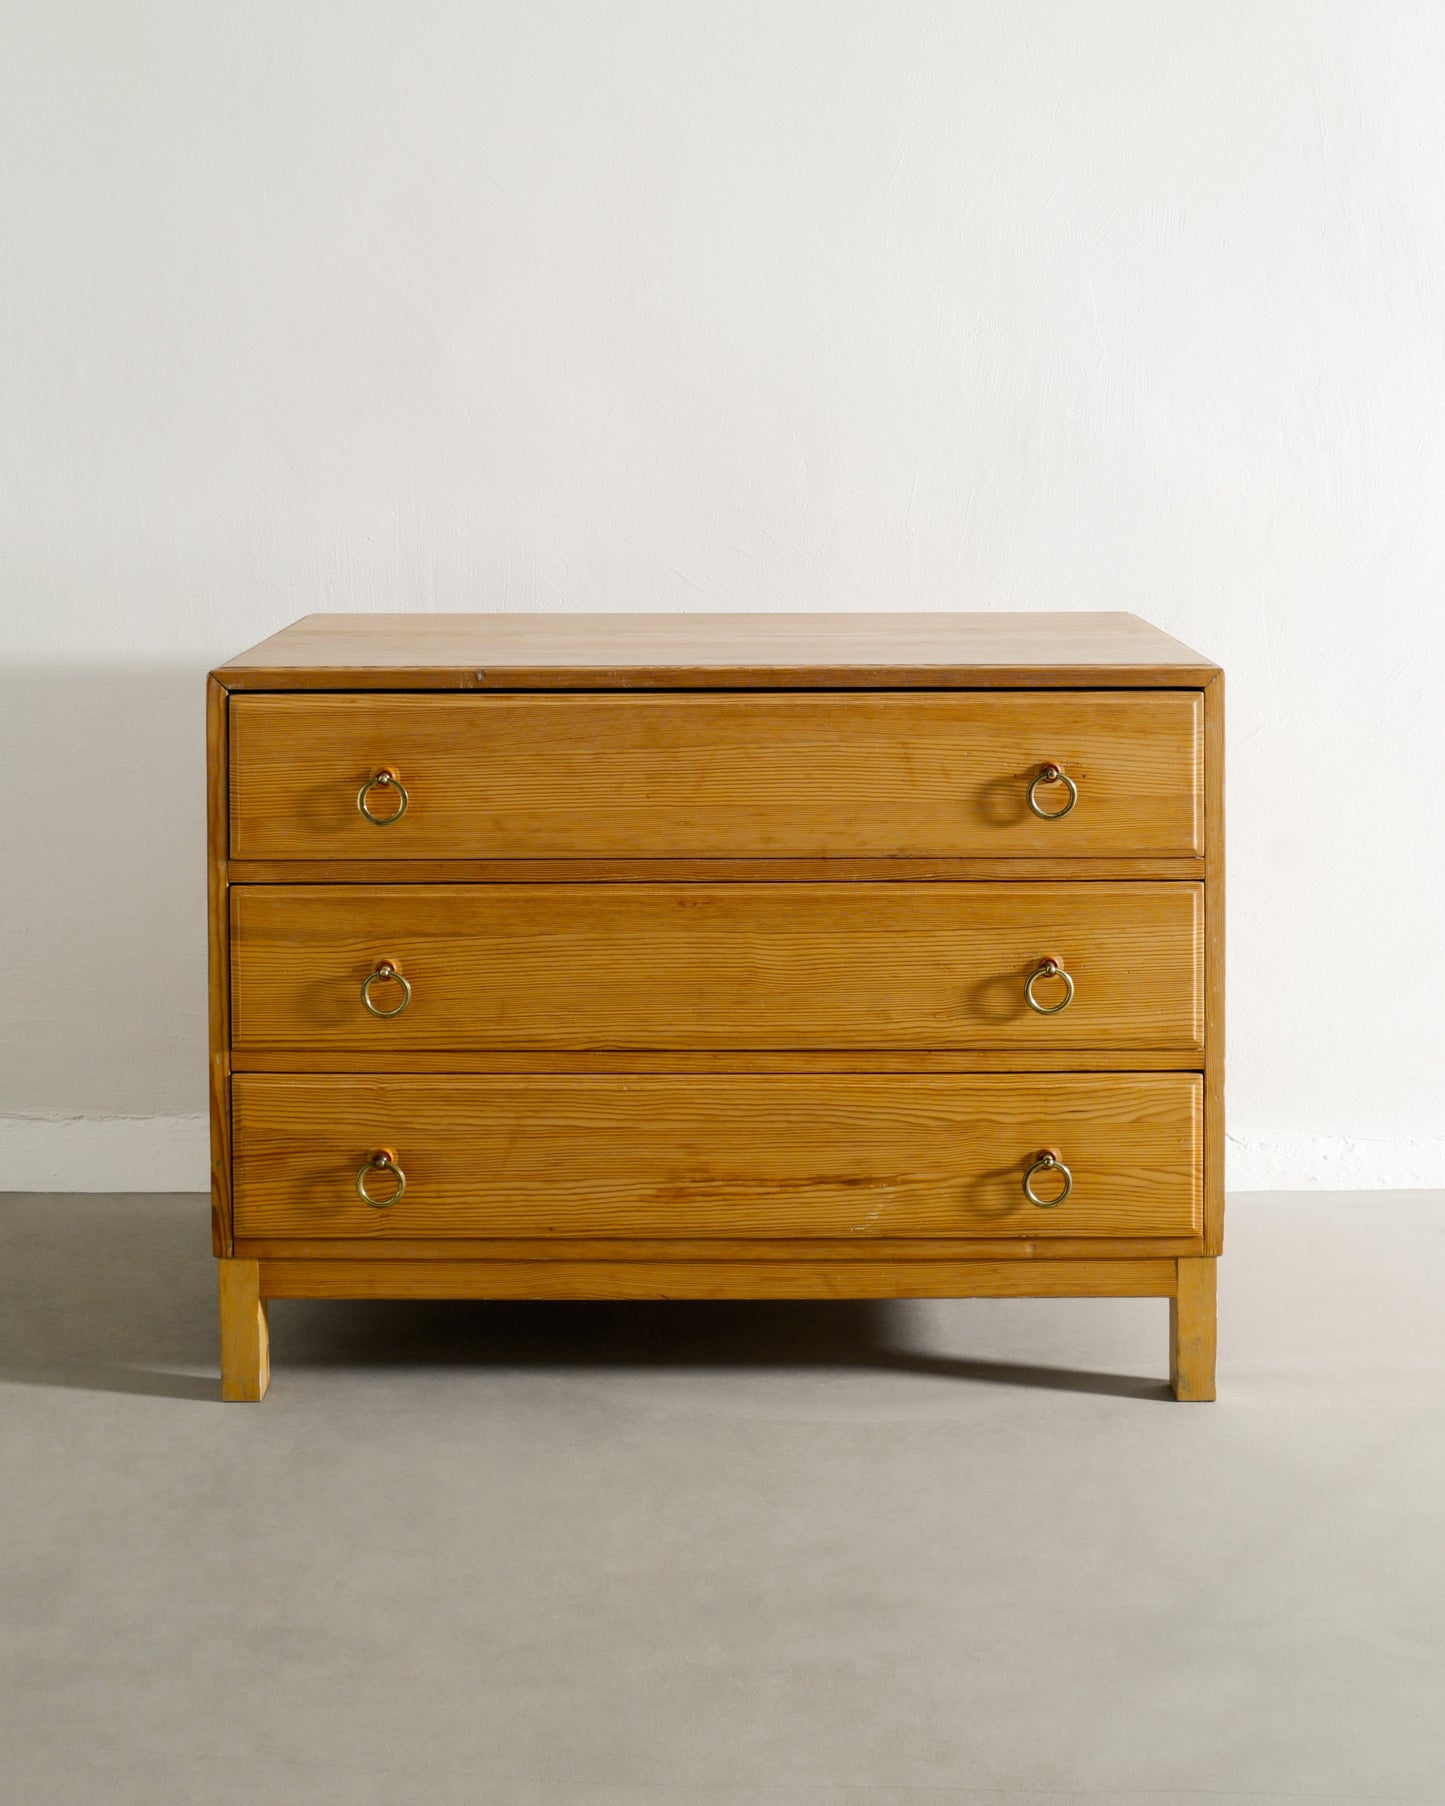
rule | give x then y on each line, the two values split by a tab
723	1555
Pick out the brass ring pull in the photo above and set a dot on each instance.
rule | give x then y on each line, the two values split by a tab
382	1161
386	970
1052	774
385	779
1048	968
1047	1162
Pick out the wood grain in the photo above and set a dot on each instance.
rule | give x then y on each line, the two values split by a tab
218	964
751	1076
865	1156
661	1279
684	1060
1187	869
735	1248
1214	1139
717	966
711	651
716	776
245	1337
1192	1331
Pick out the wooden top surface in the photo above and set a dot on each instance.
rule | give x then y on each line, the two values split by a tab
695	651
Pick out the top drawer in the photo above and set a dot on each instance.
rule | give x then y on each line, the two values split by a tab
709	775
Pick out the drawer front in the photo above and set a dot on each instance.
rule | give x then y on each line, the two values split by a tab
862	1156
554	966
716	776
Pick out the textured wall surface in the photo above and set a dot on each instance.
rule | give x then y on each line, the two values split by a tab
738	304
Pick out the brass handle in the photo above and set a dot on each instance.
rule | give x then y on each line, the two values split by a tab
1052	774
382	1161
385	779
1047	1162
1048	968
385	971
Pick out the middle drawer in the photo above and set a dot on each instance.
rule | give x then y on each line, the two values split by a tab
676	966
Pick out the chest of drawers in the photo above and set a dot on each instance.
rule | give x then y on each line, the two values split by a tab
716	956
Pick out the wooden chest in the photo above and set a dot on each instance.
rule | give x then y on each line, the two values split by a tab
716	956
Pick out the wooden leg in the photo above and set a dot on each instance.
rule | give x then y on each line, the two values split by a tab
245	1336
1191	1331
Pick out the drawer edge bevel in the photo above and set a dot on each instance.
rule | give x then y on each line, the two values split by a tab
754	1248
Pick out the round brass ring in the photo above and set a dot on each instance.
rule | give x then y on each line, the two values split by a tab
384	780
384	972
1053	774
1049	968
382	1161
1047	1162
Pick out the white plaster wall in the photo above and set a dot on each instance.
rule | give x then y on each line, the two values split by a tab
739	304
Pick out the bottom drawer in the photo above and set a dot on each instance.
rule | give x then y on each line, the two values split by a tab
853	1155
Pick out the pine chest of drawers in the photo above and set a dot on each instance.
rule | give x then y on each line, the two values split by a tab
716	956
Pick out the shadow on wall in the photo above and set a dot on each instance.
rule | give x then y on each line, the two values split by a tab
102	890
